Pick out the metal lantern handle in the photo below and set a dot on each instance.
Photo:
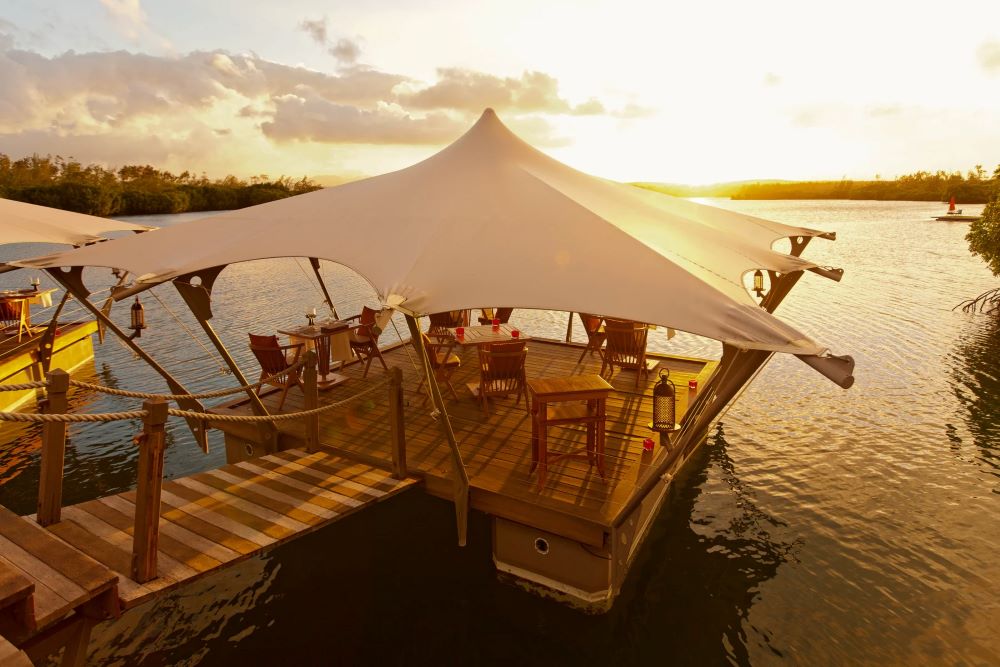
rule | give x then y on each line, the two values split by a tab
664	375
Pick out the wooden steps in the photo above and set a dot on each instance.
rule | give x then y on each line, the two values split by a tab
43	579
221	516
11	656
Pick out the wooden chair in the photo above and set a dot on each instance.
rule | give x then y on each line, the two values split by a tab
626	347
444	362
14	315
449	319
364	339
501	372
487	315
275	359
592	325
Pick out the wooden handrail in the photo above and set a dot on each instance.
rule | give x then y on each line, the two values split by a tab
145	537
50	480
396	423
310	389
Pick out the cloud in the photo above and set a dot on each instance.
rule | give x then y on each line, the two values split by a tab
988	54
315	28
346	51
313	118
130	19
474	91
210	109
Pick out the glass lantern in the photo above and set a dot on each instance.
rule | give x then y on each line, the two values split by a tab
138	318
758	283
664	404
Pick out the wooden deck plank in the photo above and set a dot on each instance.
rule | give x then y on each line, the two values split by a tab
291	487
239	502
220	515
197	524
172	548
259	493
167	567
209	548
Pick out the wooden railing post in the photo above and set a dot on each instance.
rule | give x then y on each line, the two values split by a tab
569	327
311	391
50	479
396	423
151	443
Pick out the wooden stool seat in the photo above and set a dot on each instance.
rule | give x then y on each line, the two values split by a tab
584	400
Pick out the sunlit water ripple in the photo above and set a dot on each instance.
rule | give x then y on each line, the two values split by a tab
819	526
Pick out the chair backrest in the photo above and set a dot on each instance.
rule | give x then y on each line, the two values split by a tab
367	315
626	342
591	323
501	366
503	314
269	354
447	319
431	348
10	312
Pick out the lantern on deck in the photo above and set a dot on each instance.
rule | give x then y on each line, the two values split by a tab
664	405
138	319
758	283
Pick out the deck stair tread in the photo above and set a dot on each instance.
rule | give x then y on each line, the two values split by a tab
11	656
61	578
220	516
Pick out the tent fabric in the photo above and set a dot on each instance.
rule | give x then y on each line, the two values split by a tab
490	220
28	223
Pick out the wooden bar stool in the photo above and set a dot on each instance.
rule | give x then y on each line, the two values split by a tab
589	394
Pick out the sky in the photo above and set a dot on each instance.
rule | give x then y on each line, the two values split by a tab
695	92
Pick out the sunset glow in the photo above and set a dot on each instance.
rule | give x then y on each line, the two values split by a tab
688	93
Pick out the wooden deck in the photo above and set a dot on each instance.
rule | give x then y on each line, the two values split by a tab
576	502
42	579
207	520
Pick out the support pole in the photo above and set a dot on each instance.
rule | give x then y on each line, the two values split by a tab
145	537
75	654
73	283
461	476
310	391
569	327
396	423
47	345
50	477
314	262
198	300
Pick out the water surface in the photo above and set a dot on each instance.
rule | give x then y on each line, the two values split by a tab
818	526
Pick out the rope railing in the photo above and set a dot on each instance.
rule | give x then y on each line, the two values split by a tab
193	414
69	418
173	397
39	384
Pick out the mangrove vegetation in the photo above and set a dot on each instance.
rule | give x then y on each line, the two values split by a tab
973	187
134	189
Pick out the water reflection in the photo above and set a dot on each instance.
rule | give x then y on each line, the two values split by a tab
975	382
700	572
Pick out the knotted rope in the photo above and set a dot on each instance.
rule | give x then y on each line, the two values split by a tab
141	394
203	416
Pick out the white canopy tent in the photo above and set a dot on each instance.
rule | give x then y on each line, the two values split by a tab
490	220
29	223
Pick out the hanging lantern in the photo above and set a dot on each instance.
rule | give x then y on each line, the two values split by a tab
138	318
664	404
758	283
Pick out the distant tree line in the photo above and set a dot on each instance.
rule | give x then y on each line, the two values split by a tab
974	187
134	189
